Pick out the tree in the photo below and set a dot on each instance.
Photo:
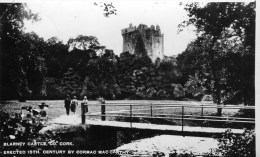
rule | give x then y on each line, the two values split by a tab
125	78
135	75
168	74
178	91
195	87
56	54
107	69
71	84
189	61
83	43
54	88
100	77
82	49
232	145
22	54
89	89
214	20
34	63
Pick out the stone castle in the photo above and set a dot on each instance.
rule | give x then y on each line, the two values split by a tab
144	40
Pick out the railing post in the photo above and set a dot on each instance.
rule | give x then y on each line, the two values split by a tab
151	109
83	117
182	116
202	114
202	111
131	116
103	112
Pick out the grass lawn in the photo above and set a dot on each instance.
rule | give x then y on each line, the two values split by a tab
56	107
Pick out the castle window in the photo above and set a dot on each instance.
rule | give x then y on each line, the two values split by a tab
128	45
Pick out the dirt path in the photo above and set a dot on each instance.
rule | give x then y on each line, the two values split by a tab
61	121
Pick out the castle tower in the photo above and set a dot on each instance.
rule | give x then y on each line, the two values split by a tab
144	40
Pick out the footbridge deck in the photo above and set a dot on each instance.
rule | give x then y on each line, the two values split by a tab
129	113
168	129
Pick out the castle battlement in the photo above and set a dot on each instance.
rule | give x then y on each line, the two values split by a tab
141	27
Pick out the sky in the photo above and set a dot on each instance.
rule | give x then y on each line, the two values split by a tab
69	19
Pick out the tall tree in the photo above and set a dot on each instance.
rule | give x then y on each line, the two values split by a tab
71	83
101	77
19	52
212	21
56	54
125	78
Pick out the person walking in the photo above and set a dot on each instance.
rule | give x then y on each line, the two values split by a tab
67	103
74	104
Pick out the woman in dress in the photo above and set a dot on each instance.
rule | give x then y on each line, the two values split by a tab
74	104
85	102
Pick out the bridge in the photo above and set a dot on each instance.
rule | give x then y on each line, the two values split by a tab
179	117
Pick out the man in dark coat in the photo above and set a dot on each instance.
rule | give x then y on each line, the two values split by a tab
67	104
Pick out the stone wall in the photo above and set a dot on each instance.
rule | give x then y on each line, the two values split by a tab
144	40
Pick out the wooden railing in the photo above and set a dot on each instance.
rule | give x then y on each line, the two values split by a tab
151	108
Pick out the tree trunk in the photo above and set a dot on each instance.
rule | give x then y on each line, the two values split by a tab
245	97
216	88
219	110
218	99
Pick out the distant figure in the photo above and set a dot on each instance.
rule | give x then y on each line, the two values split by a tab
101	100
67	103
74	104
85	102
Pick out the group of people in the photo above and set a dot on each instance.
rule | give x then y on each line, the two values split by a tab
71	104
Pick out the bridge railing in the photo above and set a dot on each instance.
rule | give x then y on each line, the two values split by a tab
148	111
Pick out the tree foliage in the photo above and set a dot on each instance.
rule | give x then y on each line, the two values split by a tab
224	48
220	62
22	62
101	77
231	145
83	43
71	83
15	128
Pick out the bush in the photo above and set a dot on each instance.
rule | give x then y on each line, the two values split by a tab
245	113
231	145
234	98
16	129
179	91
